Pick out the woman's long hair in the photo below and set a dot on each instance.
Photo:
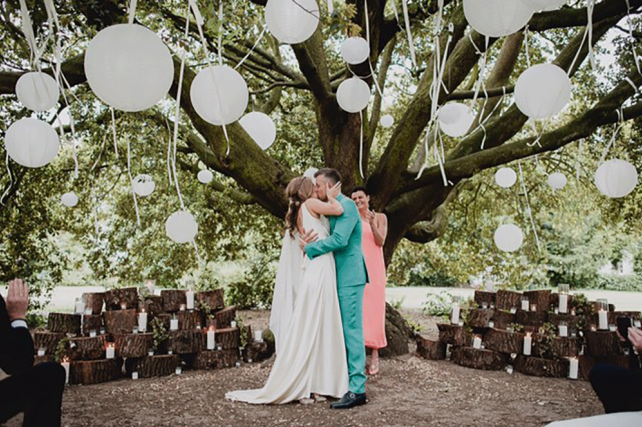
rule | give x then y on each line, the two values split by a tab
298	191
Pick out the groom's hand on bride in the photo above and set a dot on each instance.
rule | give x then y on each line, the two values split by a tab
334	190
307	237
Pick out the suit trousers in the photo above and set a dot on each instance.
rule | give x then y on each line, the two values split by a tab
351	305
36	392
619	389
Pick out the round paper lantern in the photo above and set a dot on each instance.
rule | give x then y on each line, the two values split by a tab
545	5
205	176
219	95
557	180
181	227
355	50
505	177
260	127
31	143
309	173
37	91
143	185
128	67
616	178
464	121
450	113
508	237
387	121
542	91
353	95
497	18
292	21
69	199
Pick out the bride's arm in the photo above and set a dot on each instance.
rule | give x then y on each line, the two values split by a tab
330	208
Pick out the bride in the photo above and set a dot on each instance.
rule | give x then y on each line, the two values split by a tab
311	357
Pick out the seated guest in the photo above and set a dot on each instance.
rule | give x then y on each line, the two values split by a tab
36	391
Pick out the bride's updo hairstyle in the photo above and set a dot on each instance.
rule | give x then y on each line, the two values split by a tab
298	191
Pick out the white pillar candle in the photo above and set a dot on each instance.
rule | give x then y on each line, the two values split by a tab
604	324
110	353
563	331
179	370
525	304
258	336
173	324
477	342
573	368
454	318
528	340
142	321
65	364
190	300
563	306
92	333
233	324
134	375
491	324
210	339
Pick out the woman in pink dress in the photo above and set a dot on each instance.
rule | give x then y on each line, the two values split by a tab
375	228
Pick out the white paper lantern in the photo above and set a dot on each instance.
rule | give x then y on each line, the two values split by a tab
260	127
205	176
353	95
355	50
497	18
129	67
616	178
545	5
69	199
309	173
219	95
387	121
31	143
557	180
143	185
542	91
505	177
464	121
37	91
292	21
450	113
508	237
181	227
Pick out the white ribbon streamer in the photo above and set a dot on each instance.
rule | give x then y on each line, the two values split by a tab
132	11
411	46
113	130
361	144
528	205
131	182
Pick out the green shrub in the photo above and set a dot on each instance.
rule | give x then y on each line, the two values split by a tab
631	283
256	288
438	304
431	278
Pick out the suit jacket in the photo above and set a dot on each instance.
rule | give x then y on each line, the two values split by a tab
345	242
16	345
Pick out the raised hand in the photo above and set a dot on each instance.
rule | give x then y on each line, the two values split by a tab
17	299
334	190
370	216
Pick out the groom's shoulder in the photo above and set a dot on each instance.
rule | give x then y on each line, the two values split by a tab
348	203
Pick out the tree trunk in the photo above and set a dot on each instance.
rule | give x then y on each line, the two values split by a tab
133	345
503	319
185	342
120	321
116	299
47	340
540	298
431	350
558	347
153	304
398	332
479	318
487	360
153	366
94	371
531	319
227	338
504	342
507	300
454	334
541	367
85	348
217	359
94	301
172	300
188	320
224	317
64	322
602	343
215	299
91	322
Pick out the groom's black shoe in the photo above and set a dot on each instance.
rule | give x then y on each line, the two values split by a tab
350	400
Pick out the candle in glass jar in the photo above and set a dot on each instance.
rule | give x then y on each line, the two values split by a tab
179	370
563	330
603	320
573	368
477	342
612	328
528	340
258	336
210	338
173	324
454	317
88	312
110	352
142	321
134	375
42	351
525	304
189	295
92	333
563	306
233	324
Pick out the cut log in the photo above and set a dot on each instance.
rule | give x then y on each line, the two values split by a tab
258	352
185	342
119	322
47	340
571	321
586	364
117	298
37	360
228	338
188	320
556	348
534	319
541	298
479	318
505	300
85	348
485	297
454	334
503	319
613	315
94	371
224	317
94	301
64	322
133	345
153	304
153	366
215	300
504	342
431	350
487	360
629	362
217	359
602	343
164	318
541	367
173	300
91	322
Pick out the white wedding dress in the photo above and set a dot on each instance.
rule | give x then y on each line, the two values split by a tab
311	355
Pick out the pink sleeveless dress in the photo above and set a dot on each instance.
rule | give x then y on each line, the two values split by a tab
374	298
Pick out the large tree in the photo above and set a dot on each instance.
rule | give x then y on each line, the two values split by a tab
416	208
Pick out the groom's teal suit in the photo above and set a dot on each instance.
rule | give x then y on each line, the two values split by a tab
345	242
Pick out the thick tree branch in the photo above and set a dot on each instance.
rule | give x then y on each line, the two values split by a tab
237	196
73	70
381	80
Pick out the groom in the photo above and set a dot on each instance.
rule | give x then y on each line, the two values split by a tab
345	242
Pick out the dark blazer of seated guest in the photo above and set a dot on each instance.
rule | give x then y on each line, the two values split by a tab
16	345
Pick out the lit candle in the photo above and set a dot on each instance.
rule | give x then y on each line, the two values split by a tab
179	370
173	324
182	308
533	307
170	352
150	353
454	317
142	321
484	304
210	338
190	299
604	323
477	342
92	333
563	306
461	323
123	306
612	328
102	331
525	304
563	330
573	368
110	353
135	330
509	370
557	311
491	324
65	364
42	351
233	324
258	336
513	310
238	364
593	328
528	340
134	375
